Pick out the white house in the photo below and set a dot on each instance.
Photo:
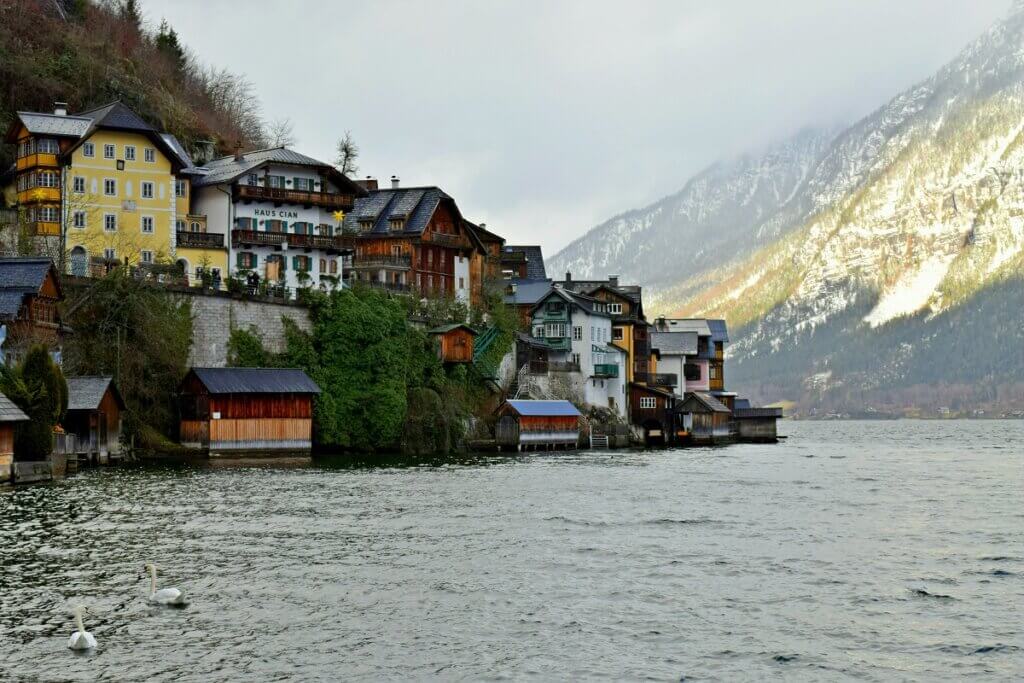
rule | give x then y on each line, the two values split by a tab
283	211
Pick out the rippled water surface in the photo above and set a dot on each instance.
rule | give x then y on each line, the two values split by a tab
874	551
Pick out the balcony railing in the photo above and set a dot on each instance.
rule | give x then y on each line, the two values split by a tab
331	243
201	240
280	195
374	261
445	240
659	379
44	228
267	239
554	366
606	370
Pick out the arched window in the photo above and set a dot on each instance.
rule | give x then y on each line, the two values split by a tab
323	265
79	262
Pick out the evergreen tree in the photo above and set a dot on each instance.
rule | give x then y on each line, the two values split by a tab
130	13
168	44
37	386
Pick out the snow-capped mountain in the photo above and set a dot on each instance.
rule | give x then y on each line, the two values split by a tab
856	251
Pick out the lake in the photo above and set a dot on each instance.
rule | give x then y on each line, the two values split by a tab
852	550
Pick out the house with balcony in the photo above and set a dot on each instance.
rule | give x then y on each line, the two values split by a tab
280	213
414	239
697	368
577	331
30	293
102	185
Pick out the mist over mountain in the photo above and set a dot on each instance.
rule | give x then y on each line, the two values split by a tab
876	268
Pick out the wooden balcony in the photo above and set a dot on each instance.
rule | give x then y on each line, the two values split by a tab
606	370
44	228
37	160
263	239
39	194
326	242
659	379
279	195
200	240
380	261
445	240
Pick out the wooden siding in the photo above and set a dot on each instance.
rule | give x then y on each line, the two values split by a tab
457	346
6	440
262	430
262	406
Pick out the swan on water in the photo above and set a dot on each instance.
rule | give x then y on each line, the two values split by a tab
164	596
80	639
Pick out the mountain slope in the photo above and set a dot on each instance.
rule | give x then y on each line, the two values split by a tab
907	219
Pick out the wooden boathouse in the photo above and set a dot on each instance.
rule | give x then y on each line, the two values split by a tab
537	425
234	411
10	416
756	424
702	418
94	416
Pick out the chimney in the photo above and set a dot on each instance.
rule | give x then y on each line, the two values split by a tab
568	276
483	226
613	280
369	183
239	157
395	182
60	108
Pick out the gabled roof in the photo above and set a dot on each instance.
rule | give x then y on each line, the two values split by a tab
228	169
606	348
709	402
527	292
10	412
116	115
698	325
86	393
444	329
719	330
534	260
584	302
187	165
19	277
543	408
414	205
38	123
674	343
484	234
255	380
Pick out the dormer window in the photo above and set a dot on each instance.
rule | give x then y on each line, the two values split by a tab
396	224
366	224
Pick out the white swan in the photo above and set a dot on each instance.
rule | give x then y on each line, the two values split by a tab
164	596
81	639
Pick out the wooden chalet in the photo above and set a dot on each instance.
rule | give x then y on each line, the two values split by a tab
29	294
413	239
94	416
234	411
485	264
10	417
650	409
701	418
537	425
455	342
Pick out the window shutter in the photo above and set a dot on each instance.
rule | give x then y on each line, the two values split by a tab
239	260
295	262
284	226
255	260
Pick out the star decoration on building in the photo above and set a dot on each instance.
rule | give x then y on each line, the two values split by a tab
339	216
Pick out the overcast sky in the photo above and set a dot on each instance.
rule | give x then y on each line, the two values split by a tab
544	118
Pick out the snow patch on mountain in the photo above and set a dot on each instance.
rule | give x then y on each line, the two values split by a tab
911	293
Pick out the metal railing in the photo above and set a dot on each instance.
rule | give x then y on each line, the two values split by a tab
281	195
200	240
270	239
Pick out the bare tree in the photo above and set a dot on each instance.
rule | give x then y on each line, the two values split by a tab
280	133
348	153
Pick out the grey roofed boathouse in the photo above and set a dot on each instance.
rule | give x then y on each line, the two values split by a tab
86	393
255	381
10	412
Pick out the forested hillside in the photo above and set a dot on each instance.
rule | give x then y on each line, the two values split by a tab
89	53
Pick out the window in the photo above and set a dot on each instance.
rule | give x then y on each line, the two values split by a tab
462	282
615	309
556	308
78	185
110	254
574	358
89	150
147	256
180	188
110	222
47	179
110	187
254	179
179	225
194	226
323	265
555	330
305	184
49	214
246	260
691	371
713	373
48	146
149	154
129	152
109	151
396	224
147	189
276	181
616	334
334	267
147	225
648	402
538	331
78	219
577	333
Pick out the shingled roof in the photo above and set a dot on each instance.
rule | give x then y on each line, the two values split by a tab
255	381
414	205
20	277
86	393
534	260
675	343
38	123
10	412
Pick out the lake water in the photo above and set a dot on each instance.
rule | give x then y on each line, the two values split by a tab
853	550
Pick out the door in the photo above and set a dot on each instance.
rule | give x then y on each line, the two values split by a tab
102	445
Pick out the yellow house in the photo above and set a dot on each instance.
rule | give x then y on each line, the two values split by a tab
109	186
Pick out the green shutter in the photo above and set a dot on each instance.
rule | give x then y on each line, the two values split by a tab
238	260
295	262
255	260
284	226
